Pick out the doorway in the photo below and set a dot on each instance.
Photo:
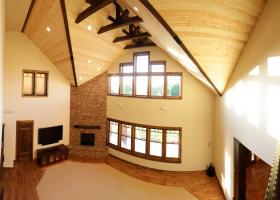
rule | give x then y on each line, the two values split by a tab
250	174
24	140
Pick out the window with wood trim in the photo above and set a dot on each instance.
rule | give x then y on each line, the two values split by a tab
145	141
34	83
146	79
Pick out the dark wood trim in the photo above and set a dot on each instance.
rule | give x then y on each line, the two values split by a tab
17	138
147	155
133	46
28	15
94	7
118	24
131	37
78	126
64	13
156	14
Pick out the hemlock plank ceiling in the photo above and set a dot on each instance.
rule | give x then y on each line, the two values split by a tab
214	31
213	34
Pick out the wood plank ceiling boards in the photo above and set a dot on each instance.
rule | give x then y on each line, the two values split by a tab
214	31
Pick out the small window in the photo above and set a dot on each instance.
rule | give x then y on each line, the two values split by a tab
126	136
28	83
127	84
140	139
172	143
157	86
142	85
41	84
173	86
142	62
126	68
35	83
113	133
156	142
158	67
115	85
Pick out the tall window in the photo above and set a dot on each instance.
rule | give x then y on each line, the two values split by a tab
154	143
145	78
34	83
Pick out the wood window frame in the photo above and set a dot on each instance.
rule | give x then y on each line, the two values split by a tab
34	83
147	155
134	74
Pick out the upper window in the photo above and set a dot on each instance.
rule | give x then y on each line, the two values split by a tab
145	78
154	143
34	83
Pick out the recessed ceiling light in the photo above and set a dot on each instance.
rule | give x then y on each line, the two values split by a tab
89	27
81	78
48	29
136	9
98	69
89	61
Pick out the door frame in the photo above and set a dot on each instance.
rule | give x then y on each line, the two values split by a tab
17	137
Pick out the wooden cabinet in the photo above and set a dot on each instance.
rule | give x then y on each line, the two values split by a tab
52	155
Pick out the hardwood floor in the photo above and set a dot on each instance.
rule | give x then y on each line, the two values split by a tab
20	182
257	176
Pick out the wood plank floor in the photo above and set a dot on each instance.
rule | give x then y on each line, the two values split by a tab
20	182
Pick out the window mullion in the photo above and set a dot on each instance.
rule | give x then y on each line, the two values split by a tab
148	142
164	144
132	138
119	134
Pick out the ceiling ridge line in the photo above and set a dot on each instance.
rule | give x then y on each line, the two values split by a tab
28	15
156	14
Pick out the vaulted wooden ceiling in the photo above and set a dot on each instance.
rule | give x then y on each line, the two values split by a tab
214	31
205	36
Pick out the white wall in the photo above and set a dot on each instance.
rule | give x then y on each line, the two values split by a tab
250	108
194	113
21	53
2	17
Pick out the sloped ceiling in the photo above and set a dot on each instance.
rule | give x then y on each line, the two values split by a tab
214	31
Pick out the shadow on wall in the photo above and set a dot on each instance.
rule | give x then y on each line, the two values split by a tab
254	107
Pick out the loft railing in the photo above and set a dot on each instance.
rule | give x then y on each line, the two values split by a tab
273	188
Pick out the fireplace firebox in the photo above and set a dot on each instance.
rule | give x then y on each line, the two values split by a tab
88	139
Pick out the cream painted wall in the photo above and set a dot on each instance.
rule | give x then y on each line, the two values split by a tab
21	53
250	108
2	17
194	114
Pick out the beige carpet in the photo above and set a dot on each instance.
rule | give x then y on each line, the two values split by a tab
86	181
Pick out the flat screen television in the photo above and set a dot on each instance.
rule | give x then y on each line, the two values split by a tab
50	135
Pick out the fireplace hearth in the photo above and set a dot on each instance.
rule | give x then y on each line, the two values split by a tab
87	139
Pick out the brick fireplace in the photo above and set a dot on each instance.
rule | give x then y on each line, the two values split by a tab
88	116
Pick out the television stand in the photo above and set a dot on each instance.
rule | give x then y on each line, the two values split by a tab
52	155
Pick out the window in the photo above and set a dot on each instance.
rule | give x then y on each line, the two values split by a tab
156	142
150	142
126	136
35	83
173	86
145	78
140	139
115	85
113	133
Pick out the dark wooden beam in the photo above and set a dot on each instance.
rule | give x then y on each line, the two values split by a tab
130	37
28	15
120	23
156	14
133	46
94	7
66	26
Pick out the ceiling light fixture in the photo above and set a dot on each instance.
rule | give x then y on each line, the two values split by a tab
48	29
98	69
81	78
89	61
89	27
136	9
